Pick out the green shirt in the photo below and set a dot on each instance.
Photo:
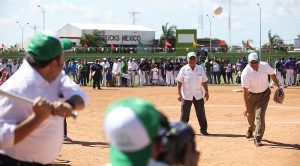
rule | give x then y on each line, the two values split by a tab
123	67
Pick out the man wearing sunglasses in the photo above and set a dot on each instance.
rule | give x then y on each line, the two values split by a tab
256	95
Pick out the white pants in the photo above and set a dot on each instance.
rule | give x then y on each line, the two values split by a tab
117	79
175	75
142	77
169	78
290	76
280	79
132	74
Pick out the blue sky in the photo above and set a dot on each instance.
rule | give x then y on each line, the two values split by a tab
280	16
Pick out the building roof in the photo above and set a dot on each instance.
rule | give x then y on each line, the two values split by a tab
124	27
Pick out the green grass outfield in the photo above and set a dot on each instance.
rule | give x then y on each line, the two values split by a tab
231	56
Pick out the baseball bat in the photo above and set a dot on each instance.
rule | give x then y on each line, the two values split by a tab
26	100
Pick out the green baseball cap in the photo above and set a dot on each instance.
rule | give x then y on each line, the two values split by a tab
44	47
131	126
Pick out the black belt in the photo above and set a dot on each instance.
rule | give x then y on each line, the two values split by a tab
259	93
8	161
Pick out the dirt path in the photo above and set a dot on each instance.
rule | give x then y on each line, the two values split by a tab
225	146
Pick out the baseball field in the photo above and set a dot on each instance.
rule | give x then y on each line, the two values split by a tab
226	144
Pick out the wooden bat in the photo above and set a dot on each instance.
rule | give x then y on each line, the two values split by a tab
26	100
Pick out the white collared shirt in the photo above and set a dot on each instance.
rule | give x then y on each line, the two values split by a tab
44	143
116	68
132	65
191	82
105	65
14	68
256	81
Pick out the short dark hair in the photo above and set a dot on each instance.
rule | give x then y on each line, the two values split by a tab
39	64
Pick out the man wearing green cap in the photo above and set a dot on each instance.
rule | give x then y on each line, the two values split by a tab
132	125
32	134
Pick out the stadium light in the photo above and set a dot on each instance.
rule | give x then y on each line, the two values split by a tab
22	29
43	16
210	31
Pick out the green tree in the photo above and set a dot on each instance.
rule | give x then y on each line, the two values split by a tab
246	45
95	39
168	34
275	42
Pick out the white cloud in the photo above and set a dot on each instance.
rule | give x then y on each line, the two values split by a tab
289	8
110	17
6	23
237	26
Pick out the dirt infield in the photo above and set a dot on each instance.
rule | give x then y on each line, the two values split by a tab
225	146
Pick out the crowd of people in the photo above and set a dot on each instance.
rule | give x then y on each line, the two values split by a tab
122	72
132	72
8	67
32	134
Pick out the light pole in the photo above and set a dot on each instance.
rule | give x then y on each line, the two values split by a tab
259	30
209	31
43	16
229	25
22	28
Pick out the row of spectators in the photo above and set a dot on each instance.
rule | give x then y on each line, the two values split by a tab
157	71
8	67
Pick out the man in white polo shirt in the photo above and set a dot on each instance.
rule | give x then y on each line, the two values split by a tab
192	88
256	95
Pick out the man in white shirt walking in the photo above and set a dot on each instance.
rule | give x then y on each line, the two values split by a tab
256	94
192	88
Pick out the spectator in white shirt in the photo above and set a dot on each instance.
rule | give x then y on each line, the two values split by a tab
14	66
132	68
116	72
105	65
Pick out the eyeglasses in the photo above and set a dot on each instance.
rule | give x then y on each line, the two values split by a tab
254	62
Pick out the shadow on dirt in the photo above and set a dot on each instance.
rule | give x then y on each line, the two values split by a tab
91	144
274	144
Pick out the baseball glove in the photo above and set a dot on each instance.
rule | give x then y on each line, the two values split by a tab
279	95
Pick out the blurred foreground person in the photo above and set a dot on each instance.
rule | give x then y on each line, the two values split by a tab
32	134
136	130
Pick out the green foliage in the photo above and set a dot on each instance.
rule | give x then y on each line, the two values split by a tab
275	42
93	40
169	34
247	46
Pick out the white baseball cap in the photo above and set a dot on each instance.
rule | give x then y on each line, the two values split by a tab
253	57
191	54
131	126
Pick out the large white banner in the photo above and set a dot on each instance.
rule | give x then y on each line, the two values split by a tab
127	37
186	38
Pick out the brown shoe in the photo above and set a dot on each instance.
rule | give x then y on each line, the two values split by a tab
257	143
249	134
